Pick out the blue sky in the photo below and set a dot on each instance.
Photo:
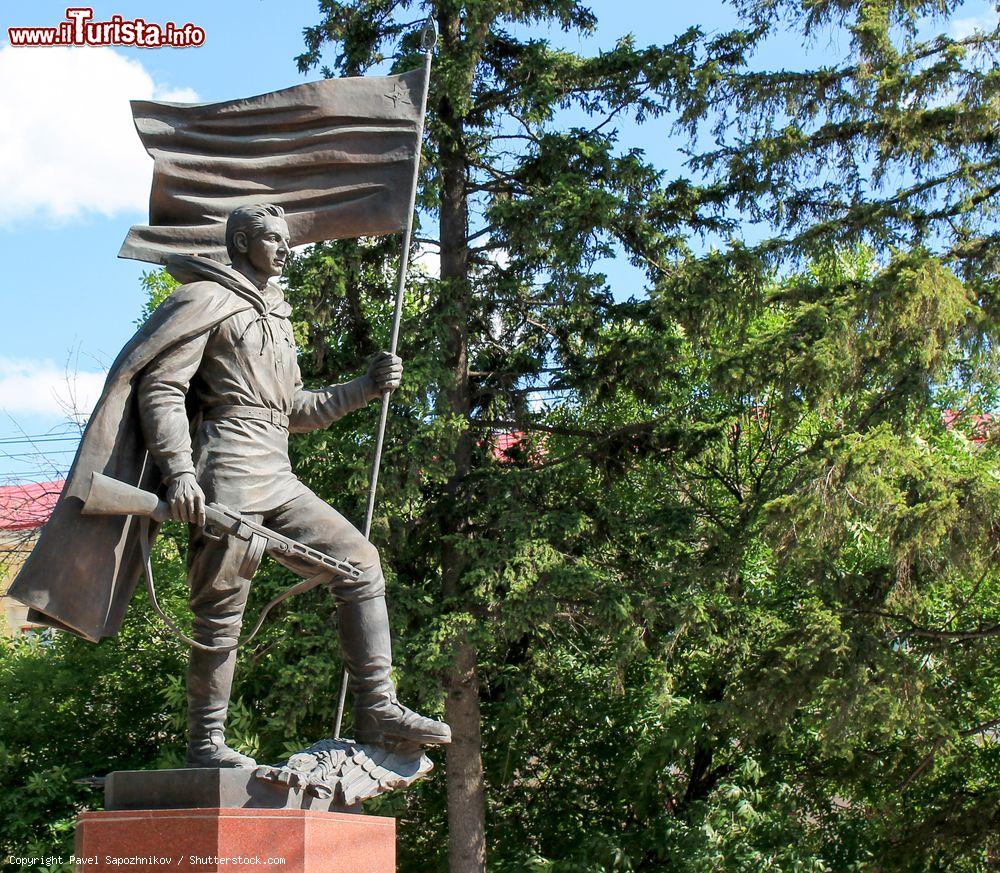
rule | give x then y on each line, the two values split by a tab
75	177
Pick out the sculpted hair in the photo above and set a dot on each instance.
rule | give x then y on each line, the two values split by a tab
248	219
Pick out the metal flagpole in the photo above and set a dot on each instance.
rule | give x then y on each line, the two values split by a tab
428	40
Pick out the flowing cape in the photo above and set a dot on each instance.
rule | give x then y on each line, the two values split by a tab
83	570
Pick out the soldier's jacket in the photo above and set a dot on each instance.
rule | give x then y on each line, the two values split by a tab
82	572
246	360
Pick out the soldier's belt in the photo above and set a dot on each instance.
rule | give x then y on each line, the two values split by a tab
254	413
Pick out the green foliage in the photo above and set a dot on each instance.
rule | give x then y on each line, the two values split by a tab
730	601
69	710
157	286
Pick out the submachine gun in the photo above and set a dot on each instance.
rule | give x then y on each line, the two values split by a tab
108	496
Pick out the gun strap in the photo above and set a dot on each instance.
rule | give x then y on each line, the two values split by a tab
297	588
147	567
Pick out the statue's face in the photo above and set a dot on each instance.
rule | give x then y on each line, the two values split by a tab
268	248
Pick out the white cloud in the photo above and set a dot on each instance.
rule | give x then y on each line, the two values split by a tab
41	387
178	95
69	145
428	259
500	257
961	28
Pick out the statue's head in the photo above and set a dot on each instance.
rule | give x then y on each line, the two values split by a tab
257	240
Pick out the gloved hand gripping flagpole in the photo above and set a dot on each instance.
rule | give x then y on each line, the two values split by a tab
428	40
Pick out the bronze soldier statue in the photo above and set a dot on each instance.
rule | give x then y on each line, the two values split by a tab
199	406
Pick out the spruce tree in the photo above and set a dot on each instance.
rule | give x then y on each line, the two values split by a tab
520	207
752	499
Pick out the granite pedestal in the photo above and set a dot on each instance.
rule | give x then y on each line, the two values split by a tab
235	841
209	820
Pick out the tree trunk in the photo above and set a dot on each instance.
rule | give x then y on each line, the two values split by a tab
464	759
466	802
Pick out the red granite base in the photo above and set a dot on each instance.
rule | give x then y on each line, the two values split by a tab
235	841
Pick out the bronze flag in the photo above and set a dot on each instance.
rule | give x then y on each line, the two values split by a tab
337	155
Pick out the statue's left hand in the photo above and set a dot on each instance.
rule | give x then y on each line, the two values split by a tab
385	372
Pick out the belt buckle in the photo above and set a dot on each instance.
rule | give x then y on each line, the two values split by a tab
273	413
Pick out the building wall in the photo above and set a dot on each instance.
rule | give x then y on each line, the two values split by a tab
15	546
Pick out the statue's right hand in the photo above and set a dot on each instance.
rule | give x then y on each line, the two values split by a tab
186	500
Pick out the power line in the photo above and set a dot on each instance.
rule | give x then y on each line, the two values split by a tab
18	456
13	441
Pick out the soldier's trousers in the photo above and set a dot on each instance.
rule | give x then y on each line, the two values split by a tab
219	595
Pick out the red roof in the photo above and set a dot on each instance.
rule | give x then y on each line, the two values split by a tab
504	441
28	506
505	446
980	424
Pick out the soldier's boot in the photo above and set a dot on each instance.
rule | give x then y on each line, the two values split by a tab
209	682
379	718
